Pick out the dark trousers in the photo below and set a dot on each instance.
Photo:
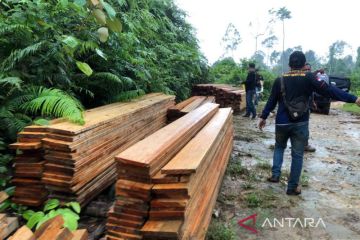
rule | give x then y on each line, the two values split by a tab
250	108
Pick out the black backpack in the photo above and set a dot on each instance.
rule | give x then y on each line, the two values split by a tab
296	107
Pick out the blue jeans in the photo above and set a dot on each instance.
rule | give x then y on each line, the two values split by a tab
250	108
298	134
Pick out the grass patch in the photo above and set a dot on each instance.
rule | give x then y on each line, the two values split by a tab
264	165
304	180
220	231
264	199
351	107
248	185
235	169
253	200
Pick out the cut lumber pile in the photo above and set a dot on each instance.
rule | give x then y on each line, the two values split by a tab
79	159
3	196
51	229
225	95
28	169
143	161
187	106
171	179
183	209
7	225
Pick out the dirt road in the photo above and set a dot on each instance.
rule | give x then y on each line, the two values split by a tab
329	206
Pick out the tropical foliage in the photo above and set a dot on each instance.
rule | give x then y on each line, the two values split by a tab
57	56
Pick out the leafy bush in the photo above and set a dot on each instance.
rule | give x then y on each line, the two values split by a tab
94	51
52	209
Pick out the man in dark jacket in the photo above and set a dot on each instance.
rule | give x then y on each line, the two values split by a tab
297	84
250	85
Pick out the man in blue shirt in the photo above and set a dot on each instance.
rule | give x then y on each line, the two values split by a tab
297	83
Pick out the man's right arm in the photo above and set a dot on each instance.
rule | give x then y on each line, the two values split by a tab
321	87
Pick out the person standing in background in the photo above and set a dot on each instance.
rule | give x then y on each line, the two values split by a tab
259	86
308	147
250	85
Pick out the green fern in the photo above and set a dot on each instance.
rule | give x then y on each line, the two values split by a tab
127	95
12	123
53	102
11	81
87	46
18	55
107	80
17	29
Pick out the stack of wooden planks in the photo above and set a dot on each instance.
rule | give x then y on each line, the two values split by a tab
168	182
28	169
187	106
182	210
7	224
52	229
225	95
139	166
79	160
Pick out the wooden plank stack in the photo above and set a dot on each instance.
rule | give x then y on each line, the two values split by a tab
52	229
225	95
7	224
29	167
142	162
187	106
79	160
182	210
169	180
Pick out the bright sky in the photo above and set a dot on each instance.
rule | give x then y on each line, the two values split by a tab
314	24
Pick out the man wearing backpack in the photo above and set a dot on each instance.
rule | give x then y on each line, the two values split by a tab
292	92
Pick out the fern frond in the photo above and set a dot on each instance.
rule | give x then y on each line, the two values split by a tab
83	90
20	121
54	102
107	79
18	55
13	82
127	95
16	29
87	46
13	123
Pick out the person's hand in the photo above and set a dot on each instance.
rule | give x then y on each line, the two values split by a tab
314	105
262	124
358	101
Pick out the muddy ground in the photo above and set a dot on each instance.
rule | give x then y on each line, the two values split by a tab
330	184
